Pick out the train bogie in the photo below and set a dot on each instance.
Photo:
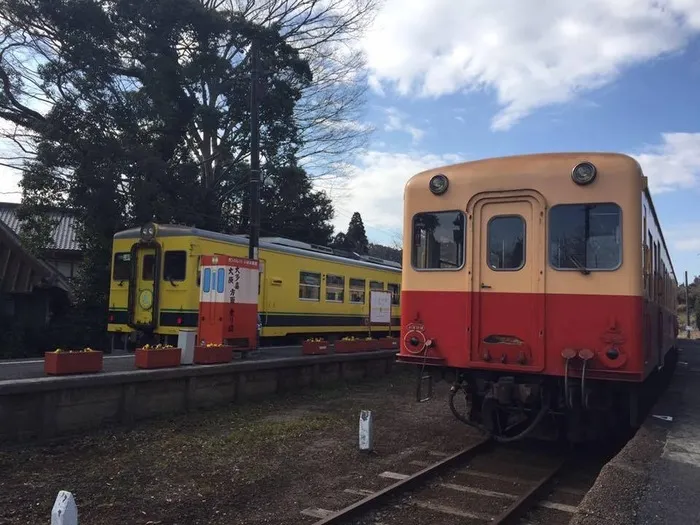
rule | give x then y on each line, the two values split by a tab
542	283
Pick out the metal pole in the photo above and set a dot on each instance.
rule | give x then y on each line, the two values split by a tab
254	156
687	306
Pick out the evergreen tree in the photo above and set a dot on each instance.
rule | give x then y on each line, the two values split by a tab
339	242
356	237
291	208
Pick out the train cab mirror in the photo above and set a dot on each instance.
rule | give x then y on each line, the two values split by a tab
584	173
148	232
438	184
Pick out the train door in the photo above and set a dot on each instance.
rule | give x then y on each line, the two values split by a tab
143	304
508	302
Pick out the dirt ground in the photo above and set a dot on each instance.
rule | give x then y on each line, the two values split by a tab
256	463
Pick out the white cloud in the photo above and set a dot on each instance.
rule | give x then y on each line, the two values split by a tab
396	121
375	189
674	164
684	238
532	54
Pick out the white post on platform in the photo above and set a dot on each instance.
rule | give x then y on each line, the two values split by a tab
185	341
366	430
65	511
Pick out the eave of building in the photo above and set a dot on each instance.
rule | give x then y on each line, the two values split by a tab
22	272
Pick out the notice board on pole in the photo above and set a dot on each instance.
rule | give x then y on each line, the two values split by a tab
379	307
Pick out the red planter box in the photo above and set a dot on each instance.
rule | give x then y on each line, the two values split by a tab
210	355
314	347
388	343
163	358
359	345
63	363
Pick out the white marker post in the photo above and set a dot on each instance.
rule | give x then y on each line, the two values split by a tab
366	431
65	511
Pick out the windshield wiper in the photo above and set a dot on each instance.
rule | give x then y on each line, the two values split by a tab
580	267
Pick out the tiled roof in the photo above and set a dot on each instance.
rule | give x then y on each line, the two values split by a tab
64	237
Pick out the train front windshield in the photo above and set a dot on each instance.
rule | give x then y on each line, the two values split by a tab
585	236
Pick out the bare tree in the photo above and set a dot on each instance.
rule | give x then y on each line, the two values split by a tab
327	33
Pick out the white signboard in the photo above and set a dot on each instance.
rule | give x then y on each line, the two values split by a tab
229	280
379	307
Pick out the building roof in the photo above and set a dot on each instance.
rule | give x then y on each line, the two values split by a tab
64	236
21	271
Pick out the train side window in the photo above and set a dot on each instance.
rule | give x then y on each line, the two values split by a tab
309	286
357	291
148	267
585	236
335	288
395	293
376	285
438	241
506	242
121	270
175	265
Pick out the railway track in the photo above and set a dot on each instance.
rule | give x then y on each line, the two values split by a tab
483	483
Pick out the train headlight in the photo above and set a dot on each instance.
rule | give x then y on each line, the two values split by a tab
148	232
612	353
584	173
438	184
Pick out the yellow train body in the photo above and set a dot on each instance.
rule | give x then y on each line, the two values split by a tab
304	290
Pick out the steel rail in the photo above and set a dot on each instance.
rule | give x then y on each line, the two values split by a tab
527	500
375	499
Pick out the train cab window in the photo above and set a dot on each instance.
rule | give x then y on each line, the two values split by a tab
357	291
335	288
309	286
585	236
395	293
506	242
121	269
148	267
175	266
438	241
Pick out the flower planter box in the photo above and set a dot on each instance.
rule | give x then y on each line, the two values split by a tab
314	347
372	345
63	363
210	355
359	345
161	358
388	343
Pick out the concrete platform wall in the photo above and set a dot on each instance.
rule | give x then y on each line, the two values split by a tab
49	407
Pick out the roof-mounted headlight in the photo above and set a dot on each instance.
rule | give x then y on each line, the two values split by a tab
439	184
148	231
583	173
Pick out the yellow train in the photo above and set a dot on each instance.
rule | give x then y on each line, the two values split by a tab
304	289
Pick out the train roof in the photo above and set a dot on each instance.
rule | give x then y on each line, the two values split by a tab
275	244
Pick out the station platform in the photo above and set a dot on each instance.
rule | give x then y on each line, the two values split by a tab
655	479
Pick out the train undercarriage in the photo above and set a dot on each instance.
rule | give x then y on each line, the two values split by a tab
511	407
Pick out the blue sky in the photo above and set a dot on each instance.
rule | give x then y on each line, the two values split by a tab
467	80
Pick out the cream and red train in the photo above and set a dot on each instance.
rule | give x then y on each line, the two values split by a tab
543	284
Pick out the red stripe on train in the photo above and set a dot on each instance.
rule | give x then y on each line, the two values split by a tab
527	333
